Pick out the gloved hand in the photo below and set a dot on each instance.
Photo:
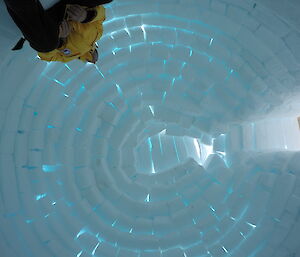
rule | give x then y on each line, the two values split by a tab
76	13
64	29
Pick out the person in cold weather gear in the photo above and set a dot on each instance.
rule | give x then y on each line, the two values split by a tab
67	31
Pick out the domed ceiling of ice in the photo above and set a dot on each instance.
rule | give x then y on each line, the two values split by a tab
182	141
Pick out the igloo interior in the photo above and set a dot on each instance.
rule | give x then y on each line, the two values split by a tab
182	141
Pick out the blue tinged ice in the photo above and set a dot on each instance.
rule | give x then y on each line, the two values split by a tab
60	83
152	166
98	70
151	109
95	249
163	132
197	147
127	31
40	196
29	167
221	153
164	96
81	232
50	168
112	105
114	223
59	182
160	144
242	235
230	190
67	66
225	250
147	198
149	144
176	150
144	32
251	225
206	150
173	82
119	90
100	239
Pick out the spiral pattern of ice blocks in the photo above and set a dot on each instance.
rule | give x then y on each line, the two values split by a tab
182	141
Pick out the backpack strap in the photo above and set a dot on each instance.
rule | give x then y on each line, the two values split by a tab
19	45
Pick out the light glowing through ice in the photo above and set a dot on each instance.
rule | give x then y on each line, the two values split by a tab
50	168
147	198
114	223
164	96
163	132
152	167
206	150
225	250
144	32
151	109
119	90
160	143
81	232
197	147
41	196
127	31
251	225
176	149
68	67
159	70
95	249
60	83
242	235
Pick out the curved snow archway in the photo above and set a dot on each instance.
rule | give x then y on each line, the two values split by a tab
182	141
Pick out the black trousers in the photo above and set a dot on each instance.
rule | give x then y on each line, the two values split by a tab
41	27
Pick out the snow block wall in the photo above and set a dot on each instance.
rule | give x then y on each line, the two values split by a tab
182	141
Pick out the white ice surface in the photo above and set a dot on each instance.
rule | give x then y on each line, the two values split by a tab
182	141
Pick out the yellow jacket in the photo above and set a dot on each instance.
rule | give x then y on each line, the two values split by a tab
81	41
